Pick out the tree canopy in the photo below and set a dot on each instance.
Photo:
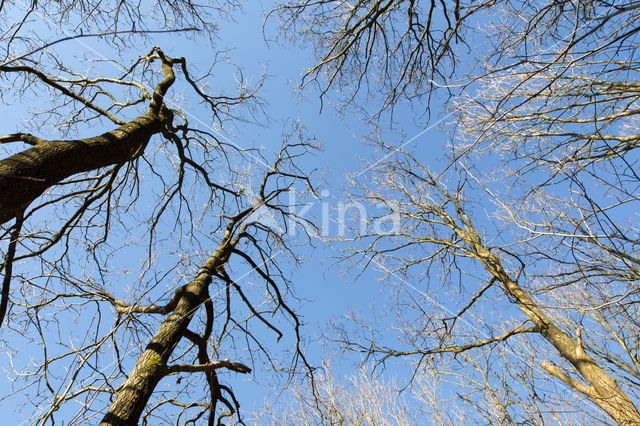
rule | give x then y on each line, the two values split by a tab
144	246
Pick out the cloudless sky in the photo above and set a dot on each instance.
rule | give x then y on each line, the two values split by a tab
325	291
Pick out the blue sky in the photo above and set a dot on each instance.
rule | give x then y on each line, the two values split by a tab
329	292
326	290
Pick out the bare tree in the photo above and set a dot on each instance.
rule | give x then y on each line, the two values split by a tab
152	248
437	234
525	236
362	398
533	207
399	49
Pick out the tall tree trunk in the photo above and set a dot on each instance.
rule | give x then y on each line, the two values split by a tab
600	387
151	366
28	174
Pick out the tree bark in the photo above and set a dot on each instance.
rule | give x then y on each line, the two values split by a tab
28	174
151	366
601	388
